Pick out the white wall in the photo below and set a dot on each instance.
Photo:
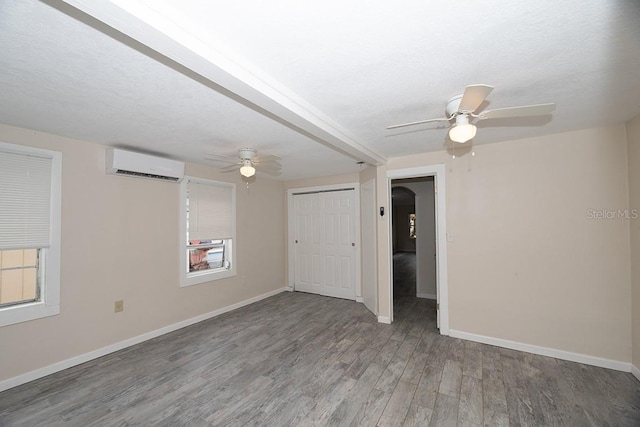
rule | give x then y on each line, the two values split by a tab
526	263
120	240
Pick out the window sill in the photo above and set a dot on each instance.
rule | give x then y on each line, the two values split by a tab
25	312
206	276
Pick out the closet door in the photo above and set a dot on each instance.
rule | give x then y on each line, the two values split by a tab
308	243
338	211
325	243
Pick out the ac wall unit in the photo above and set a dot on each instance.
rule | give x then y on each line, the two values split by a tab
122	162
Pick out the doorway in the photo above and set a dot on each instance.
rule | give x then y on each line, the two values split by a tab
414	248
403	238
434	174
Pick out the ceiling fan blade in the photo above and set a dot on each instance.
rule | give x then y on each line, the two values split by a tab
272	165
269	172
268	167
442	119
264	159
474	95
523	111
230	168
220	158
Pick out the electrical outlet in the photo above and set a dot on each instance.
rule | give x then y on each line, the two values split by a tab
119	306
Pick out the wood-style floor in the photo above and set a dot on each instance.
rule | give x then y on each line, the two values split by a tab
297	359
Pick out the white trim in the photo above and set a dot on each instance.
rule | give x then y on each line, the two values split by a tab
205	276
359	299
442	281
426	296
291	231
77	360
384	319
544	351
635	371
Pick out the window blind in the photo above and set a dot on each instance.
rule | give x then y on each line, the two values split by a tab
210	211
25	199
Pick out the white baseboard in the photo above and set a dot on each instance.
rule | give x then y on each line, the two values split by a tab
77	360
289	289
384	319
359	299
544	351
635	371
427	296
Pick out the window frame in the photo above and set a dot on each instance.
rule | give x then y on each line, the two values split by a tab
203	276
49	262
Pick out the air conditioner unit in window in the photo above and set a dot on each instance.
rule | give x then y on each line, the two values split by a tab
122	162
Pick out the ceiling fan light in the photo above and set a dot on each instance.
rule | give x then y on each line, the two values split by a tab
247	171
462	132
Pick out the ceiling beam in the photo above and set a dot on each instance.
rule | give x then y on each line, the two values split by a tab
217	66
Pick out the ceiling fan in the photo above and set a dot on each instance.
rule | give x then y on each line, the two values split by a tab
247	162
462	108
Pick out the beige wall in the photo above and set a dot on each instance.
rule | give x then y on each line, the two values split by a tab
368	173
325	180
383	196
633	136
526	263
120	241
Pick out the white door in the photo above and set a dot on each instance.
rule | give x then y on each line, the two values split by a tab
325	243
308	243
369	249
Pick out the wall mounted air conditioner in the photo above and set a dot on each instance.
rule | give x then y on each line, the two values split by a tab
121	162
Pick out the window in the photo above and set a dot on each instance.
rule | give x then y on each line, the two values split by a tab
208	229
19	282
412	226
30	185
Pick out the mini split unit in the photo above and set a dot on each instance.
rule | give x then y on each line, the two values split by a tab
121	162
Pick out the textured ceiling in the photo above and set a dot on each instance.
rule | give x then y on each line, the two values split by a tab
313	82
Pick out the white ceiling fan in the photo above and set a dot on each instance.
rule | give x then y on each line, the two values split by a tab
247	162
462	108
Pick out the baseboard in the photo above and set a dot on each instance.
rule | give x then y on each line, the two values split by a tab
289	289
544	351
77	360
635	371
359	299
427	296
384	319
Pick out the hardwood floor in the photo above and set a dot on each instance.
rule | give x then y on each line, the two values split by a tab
297	359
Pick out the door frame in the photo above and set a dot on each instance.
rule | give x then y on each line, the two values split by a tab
291	231
442	284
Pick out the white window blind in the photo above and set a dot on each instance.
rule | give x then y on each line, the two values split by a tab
210	211
25	200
